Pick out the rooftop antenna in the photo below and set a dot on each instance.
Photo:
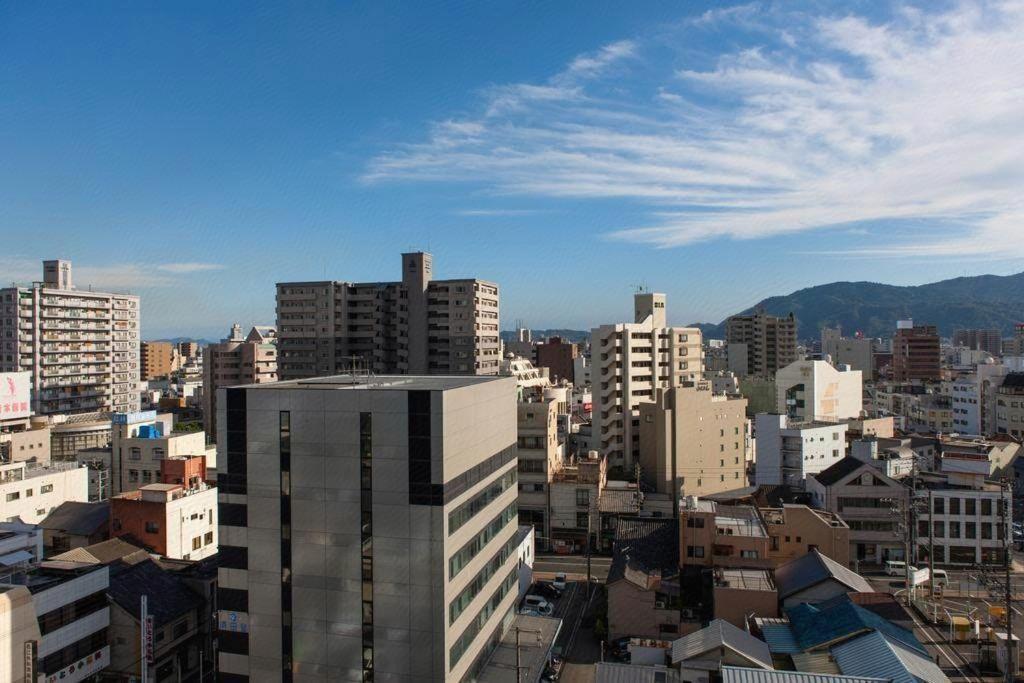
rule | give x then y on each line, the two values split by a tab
639	288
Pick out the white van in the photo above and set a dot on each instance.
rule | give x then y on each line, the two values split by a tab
538	604
939	577
895	568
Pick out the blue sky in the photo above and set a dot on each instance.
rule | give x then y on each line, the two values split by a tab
197	153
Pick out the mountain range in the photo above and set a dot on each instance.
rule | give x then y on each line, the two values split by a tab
871	308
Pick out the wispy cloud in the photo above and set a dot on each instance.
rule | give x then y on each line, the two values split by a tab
498	212
188	267
825	122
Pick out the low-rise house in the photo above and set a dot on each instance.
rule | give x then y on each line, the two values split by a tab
177	637
816	578
575	491
75	524
739	593
795	530
700	656
864	497
643	581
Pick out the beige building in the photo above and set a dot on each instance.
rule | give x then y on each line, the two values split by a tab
857	352
18	627
157	359
237	360
629	362
82	347
575	492
537	429
141	441
368	527
760	344
416	326
693	441
809	390
1009	413
30	492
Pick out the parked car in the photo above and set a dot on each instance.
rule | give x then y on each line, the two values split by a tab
553	669
539	605
560	583
619	649
527	612
547	590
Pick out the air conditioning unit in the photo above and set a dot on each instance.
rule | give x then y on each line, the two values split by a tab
659	604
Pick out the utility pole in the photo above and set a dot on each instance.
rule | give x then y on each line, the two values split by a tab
931	544
519	666
1011	650
590	515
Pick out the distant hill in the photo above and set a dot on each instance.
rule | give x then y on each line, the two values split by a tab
984	301
568	335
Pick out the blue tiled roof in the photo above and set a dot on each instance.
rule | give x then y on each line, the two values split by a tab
838	619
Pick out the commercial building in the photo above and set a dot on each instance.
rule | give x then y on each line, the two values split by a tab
915	352
412	327
815	390
76	433
864	496
632	360
760	344
82	347
788	450
693	441
177	517
29	491
368	527
1009	412
537	443
141	442
62	608
988	340
575	490
558	356
236	360
22	438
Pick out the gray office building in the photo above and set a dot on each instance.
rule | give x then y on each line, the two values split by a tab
367	526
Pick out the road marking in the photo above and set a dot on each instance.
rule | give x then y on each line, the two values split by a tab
924	630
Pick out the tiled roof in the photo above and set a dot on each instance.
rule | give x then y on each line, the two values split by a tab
878	655
105	553
839	619
614	500
168	598
645	544
812	569
78	519
716	635
839	470
779	636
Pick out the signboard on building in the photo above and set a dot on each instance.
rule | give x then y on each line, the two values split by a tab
149	639
30	660
15	395
133	418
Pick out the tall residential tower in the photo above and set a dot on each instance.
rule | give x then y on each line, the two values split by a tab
81	346
417	326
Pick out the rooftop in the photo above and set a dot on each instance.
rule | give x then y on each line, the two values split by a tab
744	579
736	674
717	635
381	382
739	520
78	519
645	544
168	597
536	637
52	573
813	568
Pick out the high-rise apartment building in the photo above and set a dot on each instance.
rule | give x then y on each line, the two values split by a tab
990	340
249	359
915	352
415	326
693	441
368	527
157	359
82	347
630	362
759	344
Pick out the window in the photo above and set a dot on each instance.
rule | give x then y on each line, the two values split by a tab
46	488
749	554
13	496
583	497
152	528
581	520
695	551
986	508
135	453
208	538
939	505
695	522
28	493
954	506
197	543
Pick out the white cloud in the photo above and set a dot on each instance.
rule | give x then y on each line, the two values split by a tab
915	118
116	277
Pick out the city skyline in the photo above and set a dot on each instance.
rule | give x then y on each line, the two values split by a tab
717	154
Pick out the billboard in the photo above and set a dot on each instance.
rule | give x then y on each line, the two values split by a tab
15	390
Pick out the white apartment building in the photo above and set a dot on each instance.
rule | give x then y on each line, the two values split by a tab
82	347
30	491
815	390
965	525
177	521
629	362
141	441
368	527
787	451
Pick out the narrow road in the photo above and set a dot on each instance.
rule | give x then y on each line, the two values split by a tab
573	566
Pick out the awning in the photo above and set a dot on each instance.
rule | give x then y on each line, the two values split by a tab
18	557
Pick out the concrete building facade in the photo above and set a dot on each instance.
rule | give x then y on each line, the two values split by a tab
760	344
156	359
237	360
989	340
629	362
693	441
558	356
537	433
369	527
140	442
915	352
82	347
29	491
815	390
787	451
415	326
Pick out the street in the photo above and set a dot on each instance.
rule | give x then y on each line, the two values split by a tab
573	566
